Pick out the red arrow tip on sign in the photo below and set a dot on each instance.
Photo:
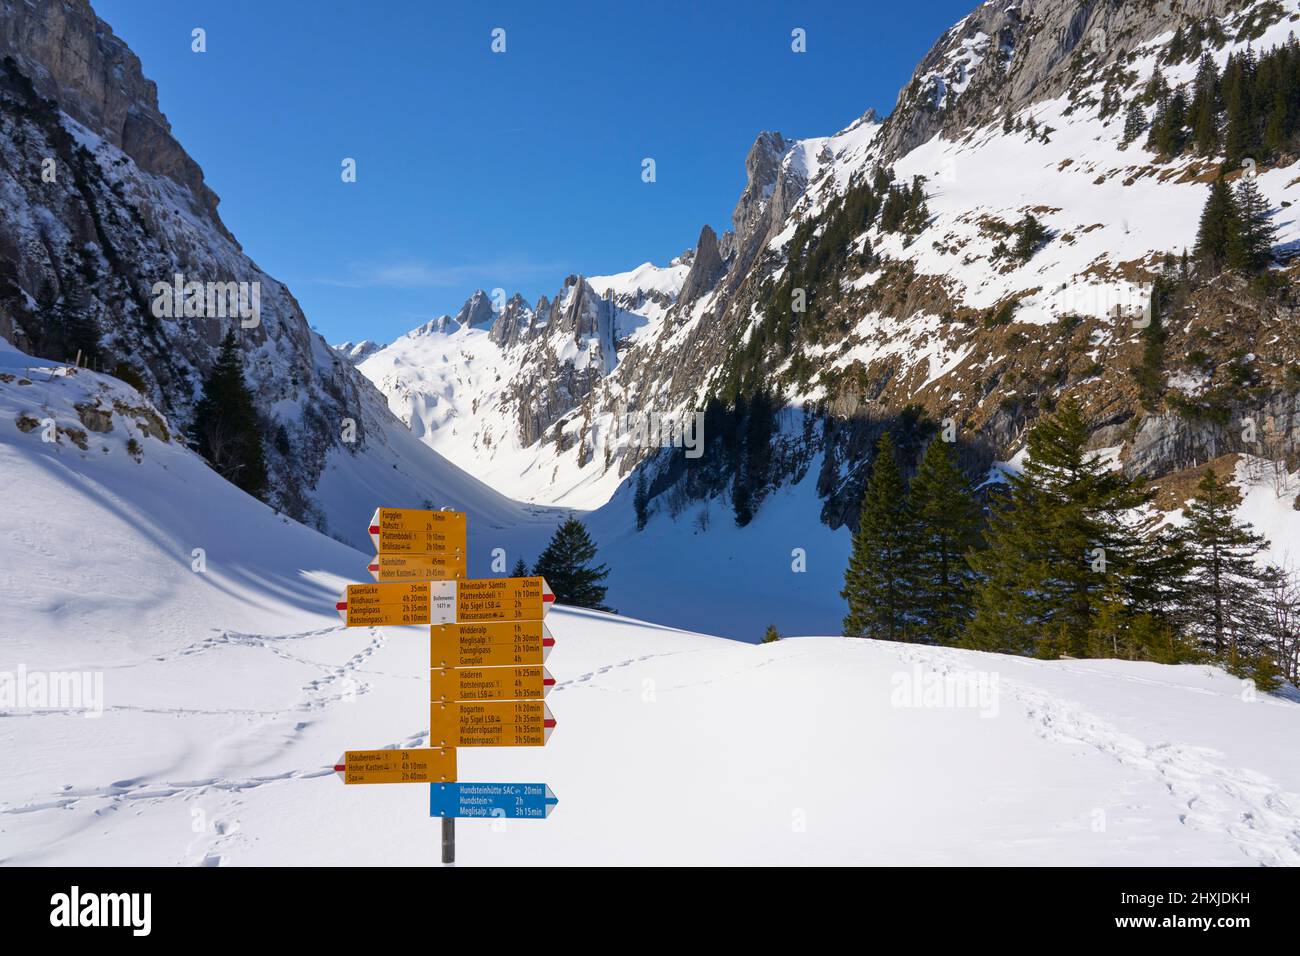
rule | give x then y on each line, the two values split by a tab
341	606
372	567
373	529
340	767
549	723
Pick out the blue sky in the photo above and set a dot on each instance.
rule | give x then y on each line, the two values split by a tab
510	170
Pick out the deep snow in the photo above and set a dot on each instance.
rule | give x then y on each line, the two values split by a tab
229	693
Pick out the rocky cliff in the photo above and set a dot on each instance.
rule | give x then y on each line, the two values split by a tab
101	205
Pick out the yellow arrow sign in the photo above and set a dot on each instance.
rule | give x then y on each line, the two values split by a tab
495	723
489	644
410	530
425	765
442	602
417	567
371	605
502	599
489	683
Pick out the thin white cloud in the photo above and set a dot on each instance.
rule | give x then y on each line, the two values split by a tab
415	274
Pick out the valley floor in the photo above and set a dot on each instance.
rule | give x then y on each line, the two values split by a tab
229	691
670	748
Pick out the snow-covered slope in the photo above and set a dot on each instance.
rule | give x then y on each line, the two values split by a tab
223	714
226	689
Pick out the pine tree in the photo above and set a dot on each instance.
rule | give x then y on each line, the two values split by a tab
1135	121
1055	539
1250	246
1239	139
918	213
520	570
1156	87
641	500
1158	130
876	582
566	563
1276	130
1030	234
771	635
1204	109
1226	593
948	521
226	430
1220	223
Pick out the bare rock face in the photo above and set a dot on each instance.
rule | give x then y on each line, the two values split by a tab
771	190
706	268
514	324
1006	56
477	312
82	254
72	56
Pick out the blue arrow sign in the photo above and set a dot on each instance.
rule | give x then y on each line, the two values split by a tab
513	801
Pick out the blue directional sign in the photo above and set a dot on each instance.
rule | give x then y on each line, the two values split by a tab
512	801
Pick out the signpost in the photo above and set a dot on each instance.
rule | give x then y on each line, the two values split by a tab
492	644
425	765
518	801
410	531
445	602
487	685
490	723
417	567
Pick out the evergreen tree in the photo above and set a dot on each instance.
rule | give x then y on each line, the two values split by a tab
1250	246
226	430
948	522
566	563
894	211
641	500
1056	539
520	570
1239	138
1277	130
1204	110
771	635
1030	234
1135	121
1167	127
1220	223
1156	87
918	213
1226	593
877	580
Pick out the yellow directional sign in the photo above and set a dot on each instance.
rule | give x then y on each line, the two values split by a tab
495	723
502	599
370	605
417	567
425	765
412	531
489	683
442	602
489	644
